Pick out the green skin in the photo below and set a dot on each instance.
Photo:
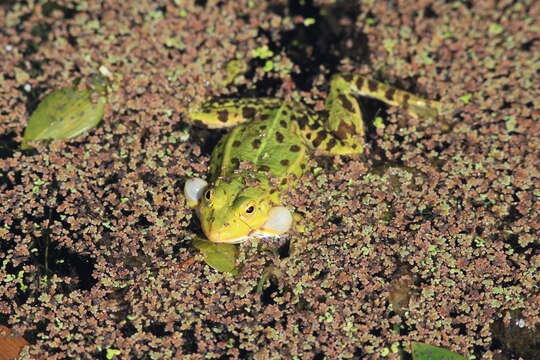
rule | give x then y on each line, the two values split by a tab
269	146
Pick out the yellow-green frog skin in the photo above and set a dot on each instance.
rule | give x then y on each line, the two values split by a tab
268	149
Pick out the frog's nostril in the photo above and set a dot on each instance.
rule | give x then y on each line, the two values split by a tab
226	224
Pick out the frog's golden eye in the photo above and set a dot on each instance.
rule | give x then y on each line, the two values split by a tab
208	194
249	210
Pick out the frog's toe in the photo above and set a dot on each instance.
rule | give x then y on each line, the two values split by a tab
279	221
193	190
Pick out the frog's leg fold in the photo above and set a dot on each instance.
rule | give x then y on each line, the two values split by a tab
224	113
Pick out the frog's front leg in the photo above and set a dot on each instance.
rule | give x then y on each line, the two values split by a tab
224	113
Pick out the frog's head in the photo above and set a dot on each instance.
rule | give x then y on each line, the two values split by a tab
231	211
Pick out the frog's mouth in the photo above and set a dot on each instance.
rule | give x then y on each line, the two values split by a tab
218	238
279	221
253	235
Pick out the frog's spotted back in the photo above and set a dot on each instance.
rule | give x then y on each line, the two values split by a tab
269	142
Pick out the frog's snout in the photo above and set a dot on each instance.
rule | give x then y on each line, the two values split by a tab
215	236
218	234
223	232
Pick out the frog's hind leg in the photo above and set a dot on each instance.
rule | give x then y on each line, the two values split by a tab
223	113
414	105
342	133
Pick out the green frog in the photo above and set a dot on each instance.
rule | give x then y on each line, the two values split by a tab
268	148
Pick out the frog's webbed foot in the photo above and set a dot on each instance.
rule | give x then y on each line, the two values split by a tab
194	190
279	221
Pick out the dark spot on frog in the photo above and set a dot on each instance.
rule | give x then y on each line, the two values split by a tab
303	121
265	116
389	94
372	85
256	143
198	123
347	77
283	124
359	82
406	101
223	115
236	143
344	130
314	125
235	162
262	127
284	162
248	112
279	137
346	103
321	135
302	166
331	143
264	168
295	148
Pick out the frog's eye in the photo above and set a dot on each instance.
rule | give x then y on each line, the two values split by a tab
249	209
208	194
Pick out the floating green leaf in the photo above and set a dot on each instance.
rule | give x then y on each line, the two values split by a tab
66	113
111	353
510	123
466	98
309	21
221	257
378	122
262	52
422	351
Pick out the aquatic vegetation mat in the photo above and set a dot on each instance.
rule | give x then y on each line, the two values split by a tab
429	237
